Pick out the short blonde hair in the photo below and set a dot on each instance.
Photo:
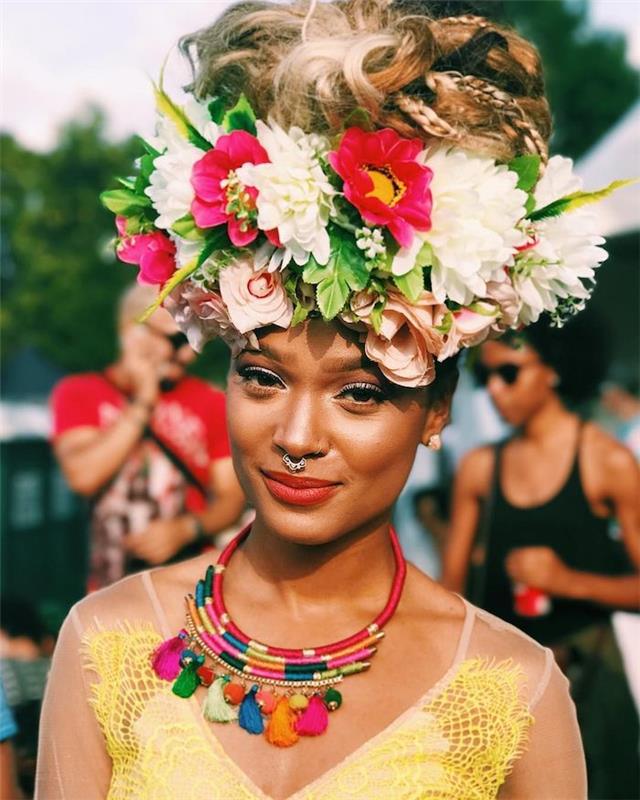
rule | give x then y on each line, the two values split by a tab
462	79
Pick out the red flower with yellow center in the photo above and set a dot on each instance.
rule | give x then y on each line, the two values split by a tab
384	181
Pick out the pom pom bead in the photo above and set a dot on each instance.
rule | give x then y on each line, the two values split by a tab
234	693
266	700
165	660
215	707
250	717
281	727
298	702
187	681
332	699
315	719
206	675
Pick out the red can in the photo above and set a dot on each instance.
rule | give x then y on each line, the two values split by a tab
530	602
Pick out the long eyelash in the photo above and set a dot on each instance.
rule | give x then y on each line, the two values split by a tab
379	394
250	371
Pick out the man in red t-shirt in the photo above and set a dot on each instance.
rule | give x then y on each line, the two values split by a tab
148	445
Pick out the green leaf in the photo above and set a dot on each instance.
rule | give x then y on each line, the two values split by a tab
176	279
217	240
150	150
313	272
331	295
134	225
240	117
529	205
124	202
128	183
359	118
167	108
578	199
527	169
412	284
425	256
216	110
186	228
376	314
300	313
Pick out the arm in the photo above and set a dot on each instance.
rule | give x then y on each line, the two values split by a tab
72	758
90	457
9	789
163	538
552	765
470	488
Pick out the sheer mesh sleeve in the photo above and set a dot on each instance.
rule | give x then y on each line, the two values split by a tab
72	760
553	763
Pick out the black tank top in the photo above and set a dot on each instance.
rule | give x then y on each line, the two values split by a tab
564	523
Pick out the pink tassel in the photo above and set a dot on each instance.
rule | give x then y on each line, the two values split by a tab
314	719
166	657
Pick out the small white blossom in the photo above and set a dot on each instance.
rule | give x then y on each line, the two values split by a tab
371	241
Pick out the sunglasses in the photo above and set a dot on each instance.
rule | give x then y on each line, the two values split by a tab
508	373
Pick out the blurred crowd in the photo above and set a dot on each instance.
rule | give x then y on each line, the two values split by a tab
530	509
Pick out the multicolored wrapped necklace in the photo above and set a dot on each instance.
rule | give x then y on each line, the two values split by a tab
282	692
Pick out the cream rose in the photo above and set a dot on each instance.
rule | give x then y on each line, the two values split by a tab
254	299
408	341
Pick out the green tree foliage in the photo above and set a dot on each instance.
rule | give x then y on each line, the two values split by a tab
589	83
60	279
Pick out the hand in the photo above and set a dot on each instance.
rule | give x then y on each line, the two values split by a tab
141	364
539	567
162	539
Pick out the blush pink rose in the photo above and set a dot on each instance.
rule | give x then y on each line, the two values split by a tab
468	328
153	252
254	299
203	316
408	342
509	301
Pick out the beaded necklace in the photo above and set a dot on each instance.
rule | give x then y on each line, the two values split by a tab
282	692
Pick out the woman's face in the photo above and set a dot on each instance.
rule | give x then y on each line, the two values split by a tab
518	382
310	392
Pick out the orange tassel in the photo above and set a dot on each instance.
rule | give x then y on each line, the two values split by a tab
280	728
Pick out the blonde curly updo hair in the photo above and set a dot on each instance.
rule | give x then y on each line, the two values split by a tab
462	80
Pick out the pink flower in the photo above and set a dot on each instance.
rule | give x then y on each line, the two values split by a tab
509	301
384	181
468	328
254	299
203	316
408	340
153	252
220	197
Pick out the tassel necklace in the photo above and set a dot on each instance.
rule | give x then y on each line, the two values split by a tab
281	692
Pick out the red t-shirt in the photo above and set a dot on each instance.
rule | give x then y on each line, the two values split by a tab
189	419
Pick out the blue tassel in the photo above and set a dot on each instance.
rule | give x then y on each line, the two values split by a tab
250	717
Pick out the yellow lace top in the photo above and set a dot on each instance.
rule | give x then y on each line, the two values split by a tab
459	741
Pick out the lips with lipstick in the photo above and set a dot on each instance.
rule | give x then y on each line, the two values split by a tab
298	491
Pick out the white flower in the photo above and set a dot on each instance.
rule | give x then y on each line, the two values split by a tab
565	250
170	183
371	241
476	208
294	196
170	187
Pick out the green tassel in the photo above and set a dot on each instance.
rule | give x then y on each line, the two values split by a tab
215	708
187	681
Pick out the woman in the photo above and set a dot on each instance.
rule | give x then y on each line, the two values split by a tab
532	516
340	252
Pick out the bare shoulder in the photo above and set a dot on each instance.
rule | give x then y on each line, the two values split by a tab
607	456
476	468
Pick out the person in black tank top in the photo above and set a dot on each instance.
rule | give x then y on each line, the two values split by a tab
533	514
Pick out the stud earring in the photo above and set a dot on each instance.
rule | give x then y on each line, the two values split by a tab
435	442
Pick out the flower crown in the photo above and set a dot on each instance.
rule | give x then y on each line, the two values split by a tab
422	249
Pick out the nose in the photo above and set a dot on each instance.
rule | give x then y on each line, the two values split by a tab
301	431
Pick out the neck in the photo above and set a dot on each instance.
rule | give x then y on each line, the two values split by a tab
552	416
356	569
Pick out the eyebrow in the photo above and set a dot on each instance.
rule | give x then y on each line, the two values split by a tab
340	365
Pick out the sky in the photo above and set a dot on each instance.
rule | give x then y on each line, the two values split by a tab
57	57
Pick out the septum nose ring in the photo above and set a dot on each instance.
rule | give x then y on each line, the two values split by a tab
294	465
